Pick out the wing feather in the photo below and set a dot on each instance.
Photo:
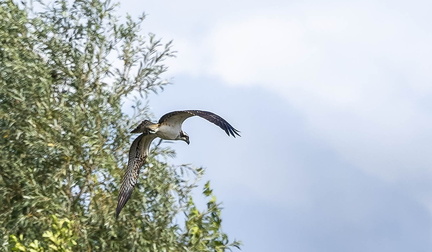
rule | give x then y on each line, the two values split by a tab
137	156
178	117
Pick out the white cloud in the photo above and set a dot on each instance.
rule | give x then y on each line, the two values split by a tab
257	50
356	73
355	82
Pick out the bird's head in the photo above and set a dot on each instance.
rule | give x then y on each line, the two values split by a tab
183	136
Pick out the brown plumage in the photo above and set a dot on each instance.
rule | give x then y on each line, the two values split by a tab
168	128
180	116
137	156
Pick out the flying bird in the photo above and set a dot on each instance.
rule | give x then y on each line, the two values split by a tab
169	127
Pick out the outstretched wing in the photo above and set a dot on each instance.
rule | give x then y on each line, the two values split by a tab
178	117
137	156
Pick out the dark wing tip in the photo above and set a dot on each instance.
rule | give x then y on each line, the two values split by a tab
219	121
235	132
124	196
137	155
230	130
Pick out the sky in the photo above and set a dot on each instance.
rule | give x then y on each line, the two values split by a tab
333	101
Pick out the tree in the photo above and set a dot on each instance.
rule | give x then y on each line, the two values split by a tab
66	70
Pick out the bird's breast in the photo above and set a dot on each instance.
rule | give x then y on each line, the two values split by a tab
168	132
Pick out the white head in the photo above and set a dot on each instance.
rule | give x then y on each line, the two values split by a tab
183	136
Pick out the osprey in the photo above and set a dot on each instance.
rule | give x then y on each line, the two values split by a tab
169	127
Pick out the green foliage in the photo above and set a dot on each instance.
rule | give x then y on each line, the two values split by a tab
203	227
59	238
66	71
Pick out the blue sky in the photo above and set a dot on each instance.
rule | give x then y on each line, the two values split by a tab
333	101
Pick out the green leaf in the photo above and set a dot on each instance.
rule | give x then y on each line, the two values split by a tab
67	70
